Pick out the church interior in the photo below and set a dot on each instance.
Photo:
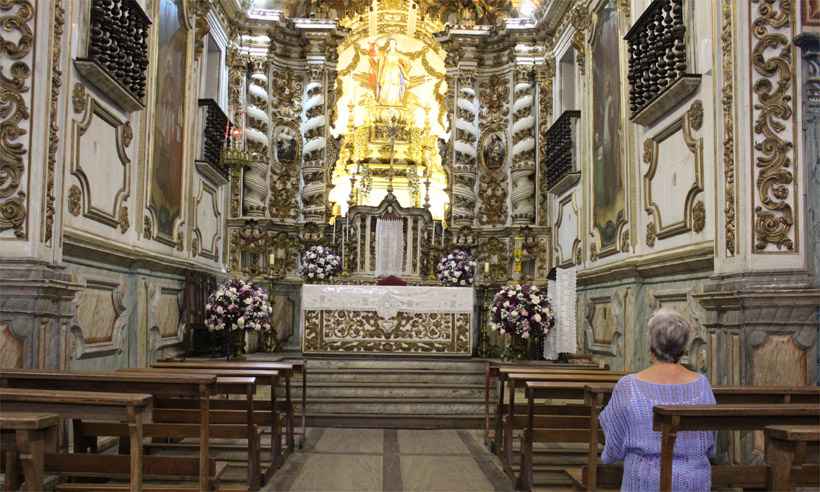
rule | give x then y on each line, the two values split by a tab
409	245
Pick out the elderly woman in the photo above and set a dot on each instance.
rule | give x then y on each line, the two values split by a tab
627	419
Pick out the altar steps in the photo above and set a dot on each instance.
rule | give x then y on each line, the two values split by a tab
379	391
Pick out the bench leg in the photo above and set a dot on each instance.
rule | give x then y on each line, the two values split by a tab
780	458
525	473
31	445
290	416
275	436
12	481
135	435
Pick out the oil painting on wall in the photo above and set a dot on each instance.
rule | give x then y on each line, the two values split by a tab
169	118
607	172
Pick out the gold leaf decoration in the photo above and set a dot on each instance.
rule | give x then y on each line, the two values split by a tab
772	60
75	200
79	98
125	224
698	217
58	24
651	234
728	92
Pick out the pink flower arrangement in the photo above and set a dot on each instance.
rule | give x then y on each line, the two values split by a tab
238	304
456	269
522	310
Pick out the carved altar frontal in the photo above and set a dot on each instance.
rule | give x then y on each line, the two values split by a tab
387	320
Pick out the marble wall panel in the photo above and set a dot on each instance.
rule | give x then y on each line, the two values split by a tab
11	348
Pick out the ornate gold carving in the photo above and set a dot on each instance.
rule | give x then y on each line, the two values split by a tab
14	111
124	222
79	98
546	75
365	331
579	253
698	217
580	20
651	234
195	245
593	252
236	191
648	150
127	134
625	244
180	243
695	115
147	227
728	92
774	219
493	150
75	200
53	127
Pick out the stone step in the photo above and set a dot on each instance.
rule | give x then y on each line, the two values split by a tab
430	406
381	390
388	362
392	375
395	421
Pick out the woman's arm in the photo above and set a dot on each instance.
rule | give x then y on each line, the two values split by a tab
613	421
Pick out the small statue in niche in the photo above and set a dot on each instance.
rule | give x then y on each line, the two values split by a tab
494	151
285	146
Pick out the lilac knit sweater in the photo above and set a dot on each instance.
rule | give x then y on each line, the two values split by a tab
627	425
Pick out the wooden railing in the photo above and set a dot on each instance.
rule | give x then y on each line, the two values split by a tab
213	131
560	155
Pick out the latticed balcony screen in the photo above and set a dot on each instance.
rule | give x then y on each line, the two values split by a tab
560	158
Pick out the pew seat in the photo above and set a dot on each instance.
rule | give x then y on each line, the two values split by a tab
34	435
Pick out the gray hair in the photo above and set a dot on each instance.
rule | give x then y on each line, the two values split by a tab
668	335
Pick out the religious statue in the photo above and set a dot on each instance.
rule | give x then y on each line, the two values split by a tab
494	151
390	74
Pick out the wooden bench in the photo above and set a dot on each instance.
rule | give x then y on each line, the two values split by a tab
198	386
127	407
596	397
671	419
785	449
549	423
33	434
492	372
226	412
506	427
285	369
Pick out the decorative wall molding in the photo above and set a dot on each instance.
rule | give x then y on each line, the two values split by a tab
12	348
16	110
100	319
604	323
203	245
775	192
566	205
122	133
683	301
166	326
57	25
684	125
727	47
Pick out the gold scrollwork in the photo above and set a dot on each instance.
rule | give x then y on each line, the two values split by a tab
75	200
79	98
651	234
58	24
125	223
728	92
14	111
774	219
698	217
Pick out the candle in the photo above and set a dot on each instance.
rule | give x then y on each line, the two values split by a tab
433	242
271	259
486	267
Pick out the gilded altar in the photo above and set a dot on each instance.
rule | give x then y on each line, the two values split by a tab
388	320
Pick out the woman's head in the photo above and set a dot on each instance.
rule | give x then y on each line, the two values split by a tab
668	335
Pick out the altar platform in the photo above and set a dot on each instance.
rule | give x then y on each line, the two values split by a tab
349	319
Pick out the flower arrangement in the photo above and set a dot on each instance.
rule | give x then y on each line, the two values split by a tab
522	310
320	263
238	304
456	269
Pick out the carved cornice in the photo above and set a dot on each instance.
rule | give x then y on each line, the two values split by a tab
693	258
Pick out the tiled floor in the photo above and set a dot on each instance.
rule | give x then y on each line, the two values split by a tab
376	460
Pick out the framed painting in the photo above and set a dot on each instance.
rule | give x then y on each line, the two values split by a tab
607	160
168	150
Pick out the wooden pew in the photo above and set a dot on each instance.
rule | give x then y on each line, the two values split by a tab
504	431
786	448
284	369
34	434
671	419
199	386
596	397
256	412
552	428
127	407
492	372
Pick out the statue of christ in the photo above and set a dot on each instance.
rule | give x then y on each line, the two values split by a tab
391	76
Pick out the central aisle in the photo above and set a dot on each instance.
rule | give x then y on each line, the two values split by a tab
390	460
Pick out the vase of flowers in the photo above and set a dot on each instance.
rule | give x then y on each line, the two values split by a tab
523	312
237	306
457	269
320	264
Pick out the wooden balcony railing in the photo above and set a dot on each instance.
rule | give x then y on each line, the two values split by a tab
560	154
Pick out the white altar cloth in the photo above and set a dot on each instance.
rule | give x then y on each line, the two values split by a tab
387	319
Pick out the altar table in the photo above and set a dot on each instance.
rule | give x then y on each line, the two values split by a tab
386	319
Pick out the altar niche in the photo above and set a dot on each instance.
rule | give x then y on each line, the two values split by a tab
354	237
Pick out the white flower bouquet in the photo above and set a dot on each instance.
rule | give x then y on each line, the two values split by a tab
523	311
238	304
456	269
320	264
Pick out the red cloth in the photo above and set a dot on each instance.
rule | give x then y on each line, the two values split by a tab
392	280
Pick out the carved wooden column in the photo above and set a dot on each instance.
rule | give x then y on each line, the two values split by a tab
465	132
522	170
314	117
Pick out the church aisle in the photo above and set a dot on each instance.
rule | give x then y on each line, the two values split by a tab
390	460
